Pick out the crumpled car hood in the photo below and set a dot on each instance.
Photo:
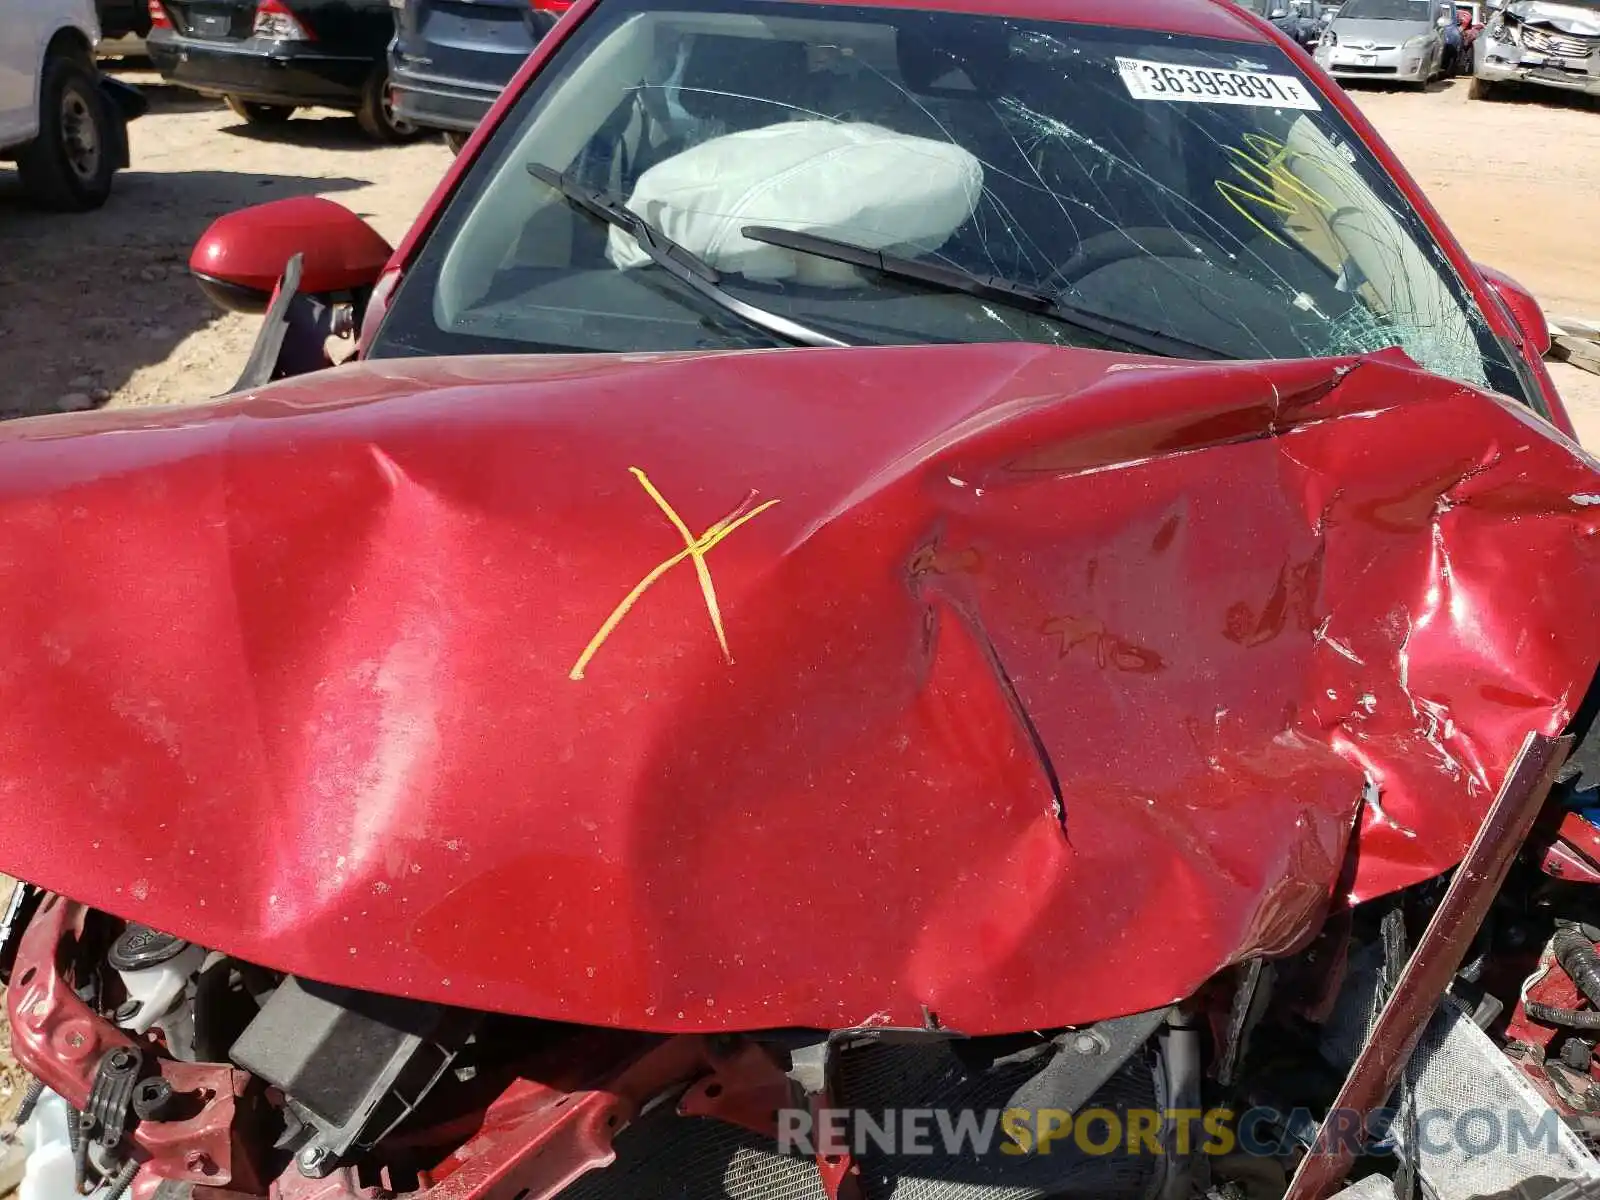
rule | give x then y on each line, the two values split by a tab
1028	685
1582	20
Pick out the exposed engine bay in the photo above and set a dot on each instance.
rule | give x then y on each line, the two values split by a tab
214	1072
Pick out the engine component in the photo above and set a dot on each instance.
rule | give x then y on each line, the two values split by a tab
139	947
156	989
117	1186
154	1099
111	1095
1458	1073
1250	997
664	1156
1085	1060
353	1065
1573	949
30	1101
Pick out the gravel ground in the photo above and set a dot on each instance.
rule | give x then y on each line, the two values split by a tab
101	308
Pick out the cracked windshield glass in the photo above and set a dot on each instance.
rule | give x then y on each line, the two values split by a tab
755	174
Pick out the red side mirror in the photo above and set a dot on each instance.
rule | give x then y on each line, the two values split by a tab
241	257
1524	309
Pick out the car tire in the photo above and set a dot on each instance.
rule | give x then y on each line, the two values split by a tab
455	139
70	165
1484	89
377	116
252	113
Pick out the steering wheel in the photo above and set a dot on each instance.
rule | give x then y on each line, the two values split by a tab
1114	245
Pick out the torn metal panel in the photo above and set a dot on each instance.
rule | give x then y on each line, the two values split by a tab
1580	19
1053	683
1413	999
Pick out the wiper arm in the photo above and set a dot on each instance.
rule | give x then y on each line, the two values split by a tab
677	260
986	287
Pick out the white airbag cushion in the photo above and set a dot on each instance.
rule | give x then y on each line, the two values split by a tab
855	182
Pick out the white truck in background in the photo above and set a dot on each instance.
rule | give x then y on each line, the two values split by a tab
61	121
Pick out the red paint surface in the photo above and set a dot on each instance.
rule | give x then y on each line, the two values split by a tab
251	247
289	674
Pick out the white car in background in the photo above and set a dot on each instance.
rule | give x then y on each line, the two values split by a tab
61	121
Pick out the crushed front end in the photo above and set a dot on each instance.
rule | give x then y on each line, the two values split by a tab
193	1069
1544	43
1092	777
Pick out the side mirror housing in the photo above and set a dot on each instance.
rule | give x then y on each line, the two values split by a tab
1523	308
239	260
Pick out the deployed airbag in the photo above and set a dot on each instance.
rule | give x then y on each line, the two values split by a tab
857	182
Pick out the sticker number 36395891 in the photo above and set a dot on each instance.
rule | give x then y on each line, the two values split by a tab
1146	80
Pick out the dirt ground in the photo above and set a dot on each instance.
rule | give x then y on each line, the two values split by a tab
100	309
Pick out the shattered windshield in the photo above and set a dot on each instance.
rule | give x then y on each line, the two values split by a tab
1197	189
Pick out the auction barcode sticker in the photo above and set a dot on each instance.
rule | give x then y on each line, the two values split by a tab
1146	80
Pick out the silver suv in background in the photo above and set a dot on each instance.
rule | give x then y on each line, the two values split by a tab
1541	42
1395	40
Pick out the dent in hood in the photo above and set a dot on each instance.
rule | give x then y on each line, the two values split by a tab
1052	683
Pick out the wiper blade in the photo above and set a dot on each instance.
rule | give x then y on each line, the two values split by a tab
677	260
986	287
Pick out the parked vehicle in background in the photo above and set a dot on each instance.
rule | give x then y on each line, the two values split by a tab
123	18
267	58
1396	40
1301	20
1539	42
61	121
123	26
451	59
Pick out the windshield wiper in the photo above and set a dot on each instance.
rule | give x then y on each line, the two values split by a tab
986	287
678	261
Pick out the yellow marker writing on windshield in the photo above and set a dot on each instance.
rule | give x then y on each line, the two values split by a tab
1264	166
695	548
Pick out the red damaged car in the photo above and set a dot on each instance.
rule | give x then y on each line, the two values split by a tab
933	601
